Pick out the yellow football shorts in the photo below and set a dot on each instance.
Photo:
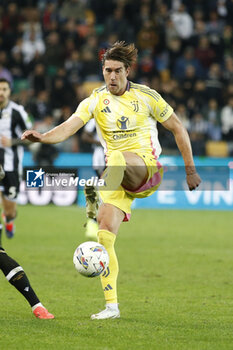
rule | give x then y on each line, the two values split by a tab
123	199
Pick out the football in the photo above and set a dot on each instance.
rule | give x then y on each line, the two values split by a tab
90	259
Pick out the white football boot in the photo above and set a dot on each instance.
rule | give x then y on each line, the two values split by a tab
91	230
108	312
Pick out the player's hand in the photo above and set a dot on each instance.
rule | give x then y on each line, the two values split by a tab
5	142
32	135
193	181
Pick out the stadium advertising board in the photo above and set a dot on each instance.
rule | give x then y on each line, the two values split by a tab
215	192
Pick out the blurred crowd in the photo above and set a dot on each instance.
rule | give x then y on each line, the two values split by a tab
50	51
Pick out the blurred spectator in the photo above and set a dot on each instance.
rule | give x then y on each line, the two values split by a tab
171	33
227	120
212	116
4	72
10	22
146	64
148	38
199	91
198	132
214	83
199	31
32	24
214	26
70	32
162	14
62	94
197	100
80	94
228	68
39	79
11	18
119	25
178	95
18	46
74	9
102	10
71	144
54	54
92	69
189	80
69	48
74	67
183	22
174	52
198	15
181	112
32	47
229	6
222	8
41	106
204	53
90	45
227	40
49	16
16	65
25	98
188	59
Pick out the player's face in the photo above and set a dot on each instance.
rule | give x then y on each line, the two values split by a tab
4	93
115	76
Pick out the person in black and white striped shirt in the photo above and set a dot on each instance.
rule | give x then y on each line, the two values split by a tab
16	276
13	121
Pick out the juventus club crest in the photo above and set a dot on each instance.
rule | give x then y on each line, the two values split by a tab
135	106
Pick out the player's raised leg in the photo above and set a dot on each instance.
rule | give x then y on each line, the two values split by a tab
16	276
125	168
113	177
128	169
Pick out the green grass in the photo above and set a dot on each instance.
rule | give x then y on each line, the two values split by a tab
175	283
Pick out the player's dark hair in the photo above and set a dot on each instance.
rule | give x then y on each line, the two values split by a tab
3	80
120	51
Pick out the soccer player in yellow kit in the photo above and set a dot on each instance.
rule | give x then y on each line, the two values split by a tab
126	115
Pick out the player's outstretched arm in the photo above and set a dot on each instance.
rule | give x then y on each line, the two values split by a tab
58	134
183	142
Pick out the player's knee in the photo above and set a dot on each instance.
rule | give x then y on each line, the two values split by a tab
7	263
2	257
10	214
116	158
105	223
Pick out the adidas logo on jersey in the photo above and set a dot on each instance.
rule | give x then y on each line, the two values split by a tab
106	110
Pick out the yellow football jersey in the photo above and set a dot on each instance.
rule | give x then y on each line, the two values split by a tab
126	122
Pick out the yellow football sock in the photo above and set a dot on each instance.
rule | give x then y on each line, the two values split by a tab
109	278
114	173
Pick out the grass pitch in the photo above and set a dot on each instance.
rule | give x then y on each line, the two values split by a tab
175	283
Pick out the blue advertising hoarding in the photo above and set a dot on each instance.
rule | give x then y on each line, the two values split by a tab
217	197
215	193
